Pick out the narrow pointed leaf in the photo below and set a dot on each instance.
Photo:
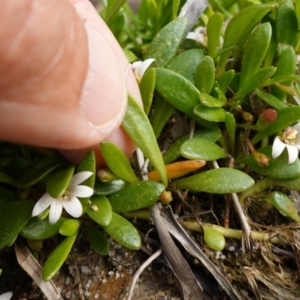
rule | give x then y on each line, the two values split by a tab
123	232
225	79
217	181
117	161
69	227
213	29
199	148
147	85
136	196
271	100
56	259
230	124
138	127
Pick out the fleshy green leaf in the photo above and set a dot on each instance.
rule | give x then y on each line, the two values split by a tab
146	86
285	118
56	259
205	75
213	29
138	127
117	161
230	124
213	238
271	100
69	227
199	148
217	181
213	114
59	181
37	229
285	205
225	79
136	196
210	101
13	217
186	63
100	210
98	241
181	93
173	152
255	51
165	44
241	25
277	168
108	188
123	232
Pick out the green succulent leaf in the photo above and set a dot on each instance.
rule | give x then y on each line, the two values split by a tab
13	217
173	152
217	181
230	124
278	168
205	75
136	196
285	205
225	79
59	181
186	63
271	100
213	114
165	44
285	118
255	51
123	232
39	169
200	148
138	127
117	161
69	227
108	188
181	93
98	241
241	25
210	101
56	259
37	229
213	29
213	238
100	210
147	85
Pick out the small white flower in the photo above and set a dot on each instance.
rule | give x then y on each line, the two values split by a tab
140	67
290	139
6	296
199	35
68	200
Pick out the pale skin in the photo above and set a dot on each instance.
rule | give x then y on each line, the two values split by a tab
63	77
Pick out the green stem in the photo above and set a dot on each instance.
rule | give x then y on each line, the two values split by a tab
257	188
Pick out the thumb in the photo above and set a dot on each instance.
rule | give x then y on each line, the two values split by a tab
61	84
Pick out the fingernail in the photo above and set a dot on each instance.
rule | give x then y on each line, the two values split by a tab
103	99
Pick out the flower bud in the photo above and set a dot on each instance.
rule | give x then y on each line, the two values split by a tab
261	159
267	117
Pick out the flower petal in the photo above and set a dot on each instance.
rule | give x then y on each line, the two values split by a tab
78	178
55	211
6	296
144	66
293	153
296	127
73	207
82	191
278	147
42	204
192	36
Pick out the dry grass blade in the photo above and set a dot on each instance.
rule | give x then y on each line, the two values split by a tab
179	233
34	270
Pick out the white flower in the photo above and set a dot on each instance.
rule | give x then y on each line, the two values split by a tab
6	296
290	139
68	200
140	67
199	35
